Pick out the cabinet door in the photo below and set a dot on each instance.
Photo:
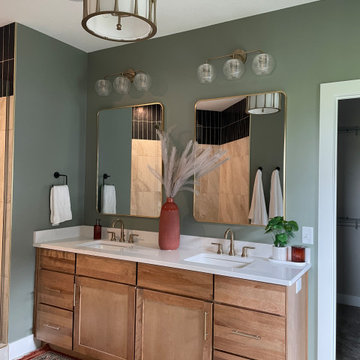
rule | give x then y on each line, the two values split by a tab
172	327
104	319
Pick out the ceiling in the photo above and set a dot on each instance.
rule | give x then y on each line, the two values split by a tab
61	19
220	104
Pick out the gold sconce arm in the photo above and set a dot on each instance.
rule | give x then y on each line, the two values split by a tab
130	74
236	54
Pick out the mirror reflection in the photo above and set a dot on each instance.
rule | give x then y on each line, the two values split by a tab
251	128
127	144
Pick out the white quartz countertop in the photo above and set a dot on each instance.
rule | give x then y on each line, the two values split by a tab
259	268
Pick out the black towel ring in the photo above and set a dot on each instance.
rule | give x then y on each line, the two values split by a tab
105	176
57	175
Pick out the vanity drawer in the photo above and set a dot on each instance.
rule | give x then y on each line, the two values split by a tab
219	355
106	269
249	333
253	295
176	281
54	326
57	260
56	289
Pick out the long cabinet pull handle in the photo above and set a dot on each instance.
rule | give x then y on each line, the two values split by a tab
74	294
237	332
205	325
52	290
57	328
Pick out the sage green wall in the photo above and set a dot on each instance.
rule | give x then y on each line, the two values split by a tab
312	44
50	107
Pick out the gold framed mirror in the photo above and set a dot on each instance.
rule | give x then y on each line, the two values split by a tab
127	144
251	128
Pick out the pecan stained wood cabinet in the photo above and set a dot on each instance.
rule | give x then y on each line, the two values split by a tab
172	327
104	309
100	308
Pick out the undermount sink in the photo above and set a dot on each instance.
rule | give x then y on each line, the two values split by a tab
107	245
220	260
126	249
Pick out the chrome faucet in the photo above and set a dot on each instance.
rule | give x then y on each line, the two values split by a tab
122	234
232	248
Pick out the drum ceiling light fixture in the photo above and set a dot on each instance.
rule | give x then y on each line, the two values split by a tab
120	20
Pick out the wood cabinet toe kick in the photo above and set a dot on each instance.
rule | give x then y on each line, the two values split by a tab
107	309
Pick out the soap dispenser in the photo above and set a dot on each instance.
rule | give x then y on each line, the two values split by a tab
97	230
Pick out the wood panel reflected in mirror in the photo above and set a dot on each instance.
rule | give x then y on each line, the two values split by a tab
251	141
127	144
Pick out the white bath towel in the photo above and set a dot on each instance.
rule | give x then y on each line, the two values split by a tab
60	206
258	214
108	199
276	198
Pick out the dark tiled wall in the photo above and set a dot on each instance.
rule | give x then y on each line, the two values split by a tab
145	121
7	45
221	127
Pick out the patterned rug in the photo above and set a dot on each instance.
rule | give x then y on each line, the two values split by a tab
46	353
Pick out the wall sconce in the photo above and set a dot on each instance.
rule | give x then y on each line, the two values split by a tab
234	68
122	82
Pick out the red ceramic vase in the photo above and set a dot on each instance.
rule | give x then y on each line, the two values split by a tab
169	226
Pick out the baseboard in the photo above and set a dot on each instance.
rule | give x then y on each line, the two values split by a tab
348	300
4	353
22	347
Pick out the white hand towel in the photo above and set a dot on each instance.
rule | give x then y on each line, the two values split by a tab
108	197
60	206
258	214
276	198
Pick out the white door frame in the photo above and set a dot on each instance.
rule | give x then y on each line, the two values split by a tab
330	94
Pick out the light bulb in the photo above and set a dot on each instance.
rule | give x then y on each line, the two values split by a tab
233	69
206	73
142	81
263	64
122	84
103	87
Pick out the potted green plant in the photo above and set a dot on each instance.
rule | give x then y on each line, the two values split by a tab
282	230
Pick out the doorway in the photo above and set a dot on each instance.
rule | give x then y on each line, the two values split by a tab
348	226
330	95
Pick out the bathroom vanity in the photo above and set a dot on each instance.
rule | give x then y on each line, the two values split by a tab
101	300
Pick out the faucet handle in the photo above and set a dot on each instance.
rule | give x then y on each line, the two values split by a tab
244	252
131	238
220	249
113	237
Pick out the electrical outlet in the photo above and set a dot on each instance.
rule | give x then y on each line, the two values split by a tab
308	235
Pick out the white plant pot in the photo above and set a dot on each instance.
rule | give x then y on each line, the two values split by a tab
279	253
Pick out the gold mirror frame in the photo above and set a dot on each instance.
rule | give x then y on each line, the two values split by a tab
97	156
250	185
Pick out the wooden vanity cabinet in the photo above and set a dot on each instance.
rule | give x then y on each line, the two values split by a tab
54	297
168	324
260	321
104	319
110	309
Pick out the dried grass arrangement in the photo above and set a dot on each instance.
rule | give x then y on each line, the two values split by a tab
180	169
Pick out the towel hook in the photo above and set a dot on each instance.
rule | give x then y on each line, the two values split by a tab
277	168
105	176
260	168
57	175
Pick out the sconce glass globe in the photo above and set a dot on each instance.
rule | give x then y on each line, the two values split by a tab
233	69
103	87
263	64
142	81
206	73
122	84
